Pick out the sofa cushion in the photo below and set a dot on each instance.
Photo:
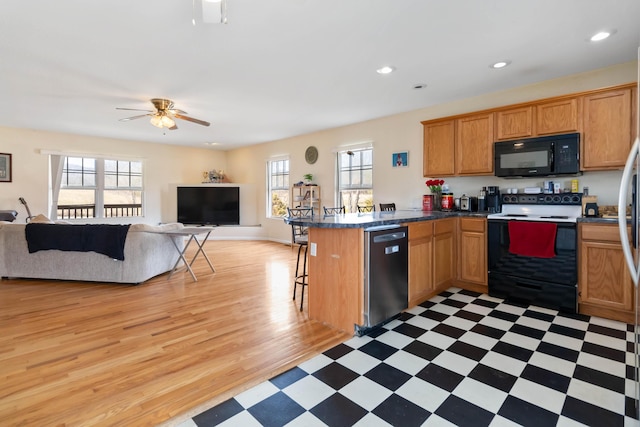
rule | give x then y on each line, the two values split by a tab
41	219
156	228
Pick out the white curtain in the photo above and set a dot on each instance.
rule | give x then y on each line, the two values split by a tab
56	164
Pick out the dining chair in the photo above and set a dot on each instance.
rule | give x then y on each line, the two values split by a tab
388	207
371	208
333	211
300	237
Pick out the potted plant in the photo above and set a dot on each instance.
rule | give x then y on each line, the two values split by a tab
308	177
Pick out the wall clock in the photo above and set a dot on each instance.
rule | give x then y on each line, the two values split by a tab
311	155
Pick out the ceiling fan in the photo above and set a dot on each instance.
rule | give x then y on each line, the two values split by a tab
164	115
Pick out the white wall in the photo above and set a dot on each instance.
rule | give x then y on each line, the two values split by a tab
403	132
163	164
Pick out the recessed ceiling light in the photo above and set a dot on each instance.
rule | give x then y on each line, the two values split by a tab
500	64
386	69
602	35
211	143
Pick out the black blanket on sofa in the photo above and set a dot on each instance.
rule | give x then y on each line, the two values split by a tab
105	239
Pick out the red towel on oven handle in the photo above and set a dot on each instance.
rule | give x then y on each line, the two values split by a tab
533	239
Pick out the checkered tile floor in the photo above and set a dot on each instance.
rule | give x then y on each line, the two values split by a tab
461	358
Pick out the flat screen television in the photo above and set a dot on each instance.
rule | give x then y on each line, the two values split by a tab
209	205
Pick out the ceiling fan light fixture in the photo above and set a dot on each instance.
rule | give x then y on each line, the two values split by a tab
168	121
157	121
162	121
164	115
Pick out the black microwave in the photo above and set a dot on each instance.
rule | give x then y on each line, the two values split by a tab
543	156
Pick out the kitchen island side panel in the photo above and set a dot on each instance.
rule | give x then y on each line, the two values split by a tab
336	277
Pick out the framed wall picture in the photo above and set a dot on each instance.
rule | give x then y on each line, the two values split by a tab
5	167
401	159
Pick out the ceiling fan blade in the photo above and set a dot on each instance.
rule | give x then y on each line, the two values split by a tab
174	127
191	119
176	111
126	119
133	109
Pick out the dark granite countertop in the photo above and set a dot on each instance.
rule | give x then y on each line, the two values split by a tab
373	219
599	220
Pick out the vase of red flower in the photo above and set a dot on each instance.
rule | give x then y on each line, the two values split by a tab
435	186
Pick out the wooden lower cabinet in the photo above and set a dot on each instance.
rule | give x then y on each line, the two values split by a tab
444	252
420	261
336	277
605	288
431	258
472	251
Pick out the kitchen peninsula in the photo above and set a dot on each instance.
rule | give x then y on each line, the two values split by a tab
337	259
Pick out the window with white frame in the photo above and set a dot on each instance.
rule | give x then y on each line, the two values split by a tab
355	178
97	188
278	187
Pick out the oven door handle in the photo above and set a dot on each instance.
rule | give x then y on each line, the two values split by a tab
627	176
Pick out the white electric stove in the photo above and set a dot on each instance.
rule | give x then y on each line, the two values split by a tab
540	207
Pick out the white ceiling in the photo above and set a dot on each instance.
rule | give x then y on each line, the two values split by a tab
281	68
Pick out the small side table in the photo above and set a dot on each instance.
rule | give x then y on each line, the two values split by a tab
192	232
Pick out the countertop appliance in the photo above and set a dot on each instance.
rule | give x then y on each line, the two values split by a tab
386	284
468	203
630	178
492	199
547	280
542	156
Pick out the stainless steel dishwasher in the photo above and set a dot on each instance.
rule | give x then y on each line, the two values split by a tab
386	278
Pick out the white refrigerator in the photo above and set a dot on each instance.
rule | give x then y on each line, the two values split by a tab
629	188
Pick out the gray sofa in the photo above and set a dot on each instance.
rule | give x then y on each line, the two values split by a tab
147	254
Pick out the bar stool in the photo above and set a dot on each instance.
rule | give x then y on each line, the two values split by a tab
371	208
300	237
333	211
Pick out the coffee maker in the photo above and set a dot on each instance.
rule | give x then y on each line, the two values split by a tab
492	199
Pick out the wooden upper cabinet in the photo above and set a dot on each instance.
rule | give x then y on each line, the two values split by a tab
558	116
608	131
536	119
439	148
605	118
514	123
474	145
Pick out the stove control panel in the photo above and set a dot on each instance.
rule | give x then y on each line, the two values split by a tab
542	199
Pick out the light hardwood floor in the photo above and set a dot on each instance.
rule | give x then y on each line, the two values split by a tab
88	354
